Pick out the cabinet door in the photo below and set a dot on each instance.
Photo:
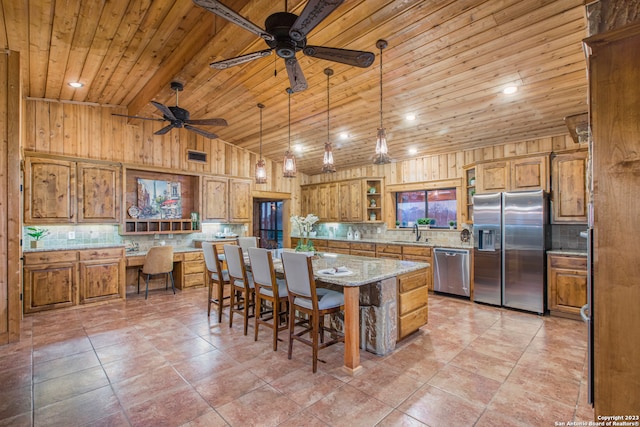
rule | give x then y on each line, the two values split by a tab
322	202
214	199
100	279
49	191
343	191
492	177
356	194
98	193
49	286
306	194
570	188
333	202
531	173
239	201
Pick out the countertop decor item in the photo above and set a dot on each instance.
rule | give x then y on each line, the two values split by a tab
305	225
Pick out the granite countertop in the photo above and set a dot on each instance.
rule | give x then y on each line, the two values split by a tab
75	247
573	252
176	249
364	269
457	245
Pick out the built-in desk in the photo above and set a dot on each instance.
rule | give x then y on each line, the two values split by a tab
188	269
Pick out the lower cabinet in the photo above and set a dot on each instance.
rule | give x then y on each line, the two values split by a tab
190	272
363	249
420	254
413	297
57	279
567	284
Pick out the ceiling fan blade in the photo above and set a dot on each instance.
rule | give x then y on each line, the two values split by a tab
296	78
166	112
138	117
356	58
201	132
226	63
208	122
164	130
312	14
231	15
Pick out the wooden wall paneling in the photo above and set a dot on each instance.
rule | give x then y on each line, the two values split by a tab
93	132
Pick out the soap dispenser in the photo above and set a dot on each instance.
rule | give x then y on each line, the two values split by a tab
350	234
356	235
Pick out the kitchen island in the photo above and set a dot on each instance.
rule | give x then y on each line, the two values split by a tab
389	297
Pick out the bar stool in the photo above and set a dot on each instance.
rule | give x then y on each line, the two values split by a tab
305	299
159	260
268	288
242	295
216	277
247	242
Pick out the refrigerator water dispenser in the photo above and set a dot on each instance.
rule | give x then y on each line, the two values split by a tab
486	240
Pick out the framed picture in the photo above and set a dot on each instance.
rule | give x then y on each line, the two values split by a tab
159	199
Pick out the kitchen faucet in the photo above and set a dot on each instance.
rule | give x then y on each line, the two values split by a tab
415	230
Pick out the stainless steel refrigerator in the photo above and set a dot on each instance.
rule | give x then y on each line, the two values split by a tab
511	236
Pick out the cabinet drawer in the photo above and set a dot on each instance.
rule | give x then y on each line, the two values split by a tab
193	256
574	262
411	322
98	254
192	267
338	244
363	253
371	247
412	300
193	280
416	250
49	257
389	249
413	280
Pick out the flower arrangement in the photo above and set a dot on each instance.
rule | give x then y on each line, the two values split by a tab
304	224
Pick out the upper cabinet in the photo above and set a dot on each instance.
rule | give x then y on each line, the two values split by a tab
470	190
351	201
49	191
214	199
226	200
98	193
354	200
569	193
62	191
529	173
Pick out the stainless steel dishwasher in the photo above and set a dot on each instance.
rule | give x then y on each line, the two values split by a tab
451	272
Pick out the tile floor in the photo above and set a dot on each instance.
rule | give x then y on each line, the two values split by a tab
162	362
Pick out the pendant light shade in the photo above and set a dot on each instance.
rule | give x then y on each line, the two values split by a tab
382	151
327	161
261	168
289	161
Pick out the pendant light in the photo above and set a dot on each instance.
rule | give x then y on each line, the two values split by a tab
327	163
289	161
382	151
261	168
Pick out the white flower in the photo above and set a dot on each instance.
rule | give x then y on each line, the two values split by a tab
304	224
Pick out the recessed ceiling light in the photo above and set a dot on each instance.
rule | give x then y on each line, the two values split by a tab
410	116
75	84
298	148
510	90
413	150
344	135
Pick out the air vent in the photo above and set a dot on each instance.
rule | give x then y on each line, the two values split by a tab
196	156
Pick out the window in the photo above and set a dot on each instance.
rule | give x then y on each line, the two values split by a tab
439	205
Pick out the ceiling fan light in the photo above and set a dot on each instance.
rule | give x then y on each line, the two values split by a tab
327	162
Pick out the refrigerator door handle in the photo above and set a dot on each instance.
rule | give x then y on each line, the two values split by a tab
583	312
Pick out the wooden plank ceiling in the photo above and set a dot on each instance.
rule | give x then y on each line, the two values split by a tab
447	63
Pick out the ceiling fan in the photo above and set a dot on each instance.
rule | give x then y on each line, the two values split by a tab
179	117
286	33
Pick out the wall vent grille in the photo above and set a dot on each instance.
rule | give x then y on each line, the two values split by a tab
196	156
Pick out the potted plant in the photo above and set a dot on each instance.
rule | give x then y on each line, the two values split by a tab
425	223
397	224
305	225
452	225
37	234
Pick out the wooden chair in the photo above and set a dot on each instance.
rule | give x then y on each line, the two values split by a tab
159	260
268	288
242	295
247	242
305	299
216	277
